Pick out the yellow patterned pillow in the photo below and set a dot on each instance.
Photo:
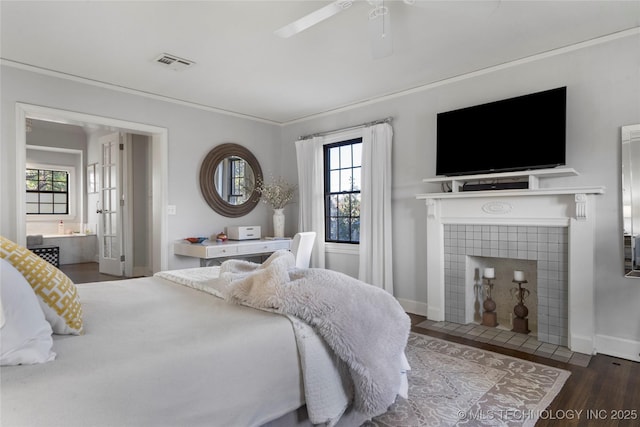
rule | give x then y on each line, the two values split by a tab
57	294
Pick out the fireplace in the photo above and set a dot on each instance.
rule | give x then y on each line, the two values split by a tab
553	227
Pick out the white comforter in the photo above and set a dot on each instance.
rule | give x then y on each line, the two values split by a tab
326	385
159	354
362	325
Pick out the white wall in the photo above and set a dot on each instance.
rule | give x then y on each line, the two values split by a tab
603	84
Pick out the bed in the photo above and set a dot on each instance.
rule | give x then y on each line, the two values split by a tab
154	352
157	353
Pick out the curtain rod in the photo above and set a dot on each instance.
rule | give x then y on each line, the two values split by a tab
363	125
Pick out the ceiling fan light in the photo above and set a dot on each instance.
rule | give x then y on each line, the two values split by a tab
378	11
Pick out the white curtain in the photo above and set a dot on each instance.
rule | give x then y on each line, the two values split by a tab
309	153
375	208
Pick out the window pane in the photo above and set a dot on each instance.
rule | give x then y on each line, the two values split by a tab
345	180
32	197
45	186
113	200
46	198
333	229
344	229
334	158
334	181
46	208
32	185
355	230
32	208
355	205
59	198
343	205
345	156
333	205
32	174
357	182
60	176
59	209
46	175
60	186
357	154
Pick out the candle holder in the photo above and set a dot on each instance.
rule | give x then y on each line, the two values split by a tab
489	317
520	322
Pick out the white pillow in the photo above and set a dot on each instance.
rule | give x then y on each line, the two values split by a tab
57	294
25	336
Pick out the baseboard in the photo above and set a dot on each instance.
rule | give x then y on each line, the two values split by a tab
618	347
581	344
413	307
141	271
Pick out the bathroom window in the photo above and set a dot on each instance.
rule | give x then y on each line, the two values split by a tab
47	191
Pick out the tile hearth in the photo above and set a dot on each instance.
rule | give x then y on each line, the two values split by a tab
507	339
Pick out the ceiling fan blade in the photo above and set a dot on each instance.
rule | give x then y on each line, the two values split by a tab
380	35
313	18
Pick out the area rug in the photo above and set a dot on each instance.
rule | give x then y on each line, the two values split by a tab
452	384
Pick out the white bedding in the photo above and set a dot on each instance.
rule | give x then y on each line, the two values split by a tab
155	353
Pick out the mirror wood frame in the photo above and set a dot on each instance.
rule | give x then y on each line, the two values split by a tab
207	182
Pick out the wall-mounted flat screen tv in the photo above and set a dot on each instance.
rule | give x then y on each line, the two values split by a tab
526	132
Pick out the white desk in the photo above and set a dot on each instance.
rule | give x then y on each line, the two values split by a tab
208	250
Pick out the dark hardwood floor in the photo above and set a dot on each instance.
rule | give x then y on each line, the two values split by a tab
605	393
86	272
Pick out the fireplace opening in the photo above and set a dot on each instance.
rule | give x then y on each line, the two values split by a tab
503	292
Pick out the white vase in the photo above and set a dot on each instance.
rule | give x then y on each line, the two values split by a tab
278	223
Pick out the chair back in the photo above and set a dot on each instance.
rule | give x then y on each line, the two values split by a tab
302	246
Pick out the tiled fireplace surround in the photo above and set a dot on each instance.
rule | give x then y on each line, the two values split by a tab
546	245
553	226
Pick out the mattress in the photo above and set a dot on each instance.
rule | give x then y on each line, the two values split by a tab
155	353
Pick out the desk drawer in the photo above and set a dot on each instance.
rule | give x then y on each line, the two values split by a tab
263	247
221	251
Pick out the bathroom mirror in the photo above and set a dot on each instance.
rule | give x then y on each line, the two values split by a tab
228	176
630	137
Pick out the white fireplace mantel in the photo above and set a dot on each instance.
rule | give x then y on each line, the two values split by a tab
564	207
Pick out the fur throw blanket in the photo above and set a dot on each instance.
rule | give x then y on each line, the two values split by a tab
364	325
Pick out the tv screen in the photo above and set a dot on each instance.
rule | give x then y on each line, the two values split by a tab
526	132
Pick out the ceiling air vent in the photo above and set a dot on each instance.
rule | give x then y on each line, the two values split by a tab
174	62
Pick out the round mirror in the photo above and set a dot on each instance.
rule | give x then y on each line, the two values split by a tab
228	176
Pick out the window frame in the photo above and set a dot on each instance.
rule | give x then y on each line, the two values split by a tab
345	141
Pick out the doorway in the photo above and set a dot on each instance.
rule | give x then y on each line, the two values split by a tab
158	165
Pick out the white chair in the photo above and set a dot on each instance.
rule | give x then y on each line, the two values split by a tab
302	246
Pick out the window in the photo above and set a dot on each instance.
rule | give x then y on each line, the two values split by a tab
47	191
342	166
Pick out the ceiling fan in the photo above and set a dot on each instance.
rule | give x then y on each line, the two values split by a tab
379	23
380	20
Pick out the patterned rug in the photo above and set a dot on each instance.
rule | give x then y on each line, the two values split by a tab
452	384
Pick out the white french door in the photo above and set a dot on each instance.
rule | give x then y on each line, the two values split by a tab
110	215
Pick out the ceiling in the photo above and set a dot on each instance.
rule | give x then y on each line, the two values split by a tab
242	67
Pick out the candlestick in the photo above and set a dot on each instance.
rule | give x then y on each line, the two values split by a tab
489	273
518	276
489	316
